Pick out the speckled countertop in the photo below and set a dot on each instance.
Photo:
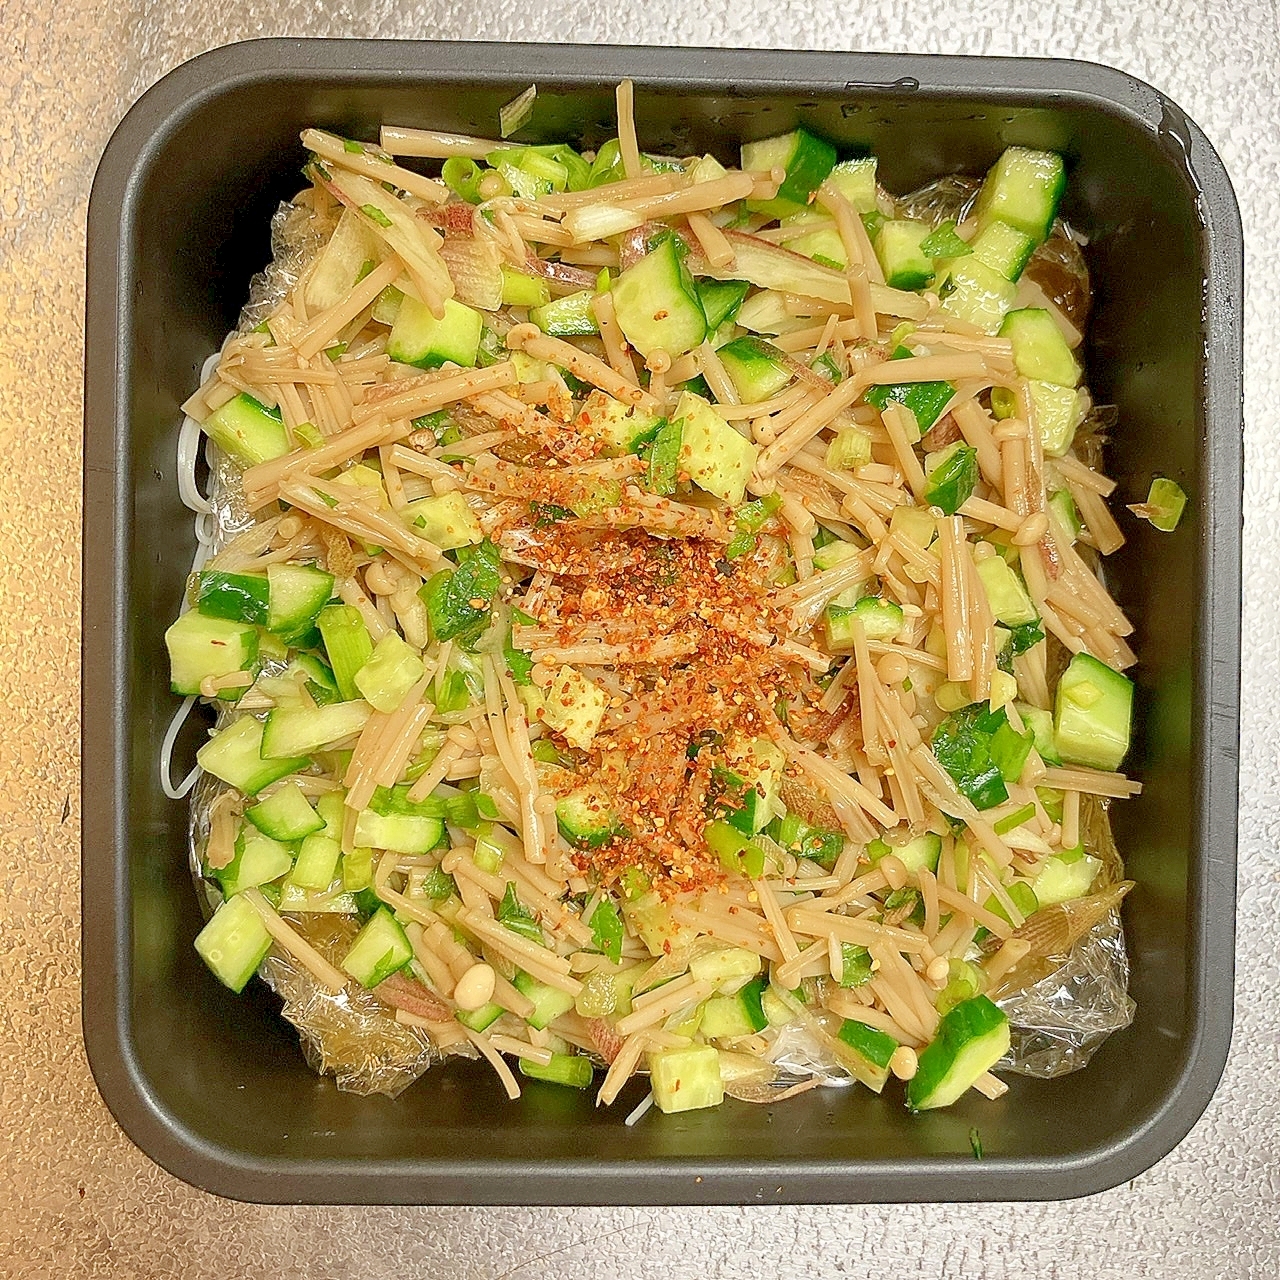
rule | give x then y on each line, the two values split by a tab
76	1199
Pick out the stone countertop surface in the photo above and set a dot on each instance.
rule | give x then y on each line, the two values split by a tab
77	1200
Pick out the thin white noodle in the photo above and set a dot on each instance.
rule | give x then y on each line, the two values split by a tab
166	754
643	1106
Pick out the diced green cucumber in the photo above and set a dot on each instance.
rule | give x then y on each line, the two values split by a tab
238	597
258	860
720	300
850	449
977	294
1006	595
567	317
730	964
569	1069
482	1018
297	592
286	814
623	428
418	338
805	841
905	264
1063	505
586	818
856	181
970	1040
832	554
394	667
379	950
247	430
207	648
657	305
357	869
918	524
1003	248
736	851
234	754
869	1053
823	245
806	159
1066	876
727	1017
757	368
713	455
881	620
775	1009
317	862
444	519
664	457
548	1002
1059	411
1039	349
347	642
926	400
520	289
331	806
234	943
650	918
1021	894
298	731
387	307
1093	714
1023	188
686	1079
1040	723
918	854
393	821
952	478
574	706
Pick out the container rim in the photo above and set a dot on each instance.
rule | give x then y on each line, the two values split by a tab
106	931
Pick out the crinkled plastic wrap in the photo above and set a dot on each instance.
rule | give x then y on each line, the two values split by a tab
1058	1023
351	1036
297	235
951	198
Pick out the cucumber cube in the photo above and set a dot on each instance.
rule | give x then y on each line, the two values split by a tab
1023	188
418	338
1039	349
1093	715
234	943
201	647
686	1079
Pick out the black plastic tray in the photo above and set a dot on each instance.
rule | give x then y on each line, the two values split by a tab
213	1087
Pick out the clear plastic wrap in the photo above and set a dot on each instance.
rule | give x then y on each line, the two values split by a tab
1058	1023
298	231
351	1036
951	197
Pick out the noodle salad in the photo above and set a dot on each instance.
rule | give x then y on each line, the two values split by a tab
654	618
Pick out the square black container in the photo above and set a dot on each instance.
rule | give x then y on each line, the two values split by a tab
215	1088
